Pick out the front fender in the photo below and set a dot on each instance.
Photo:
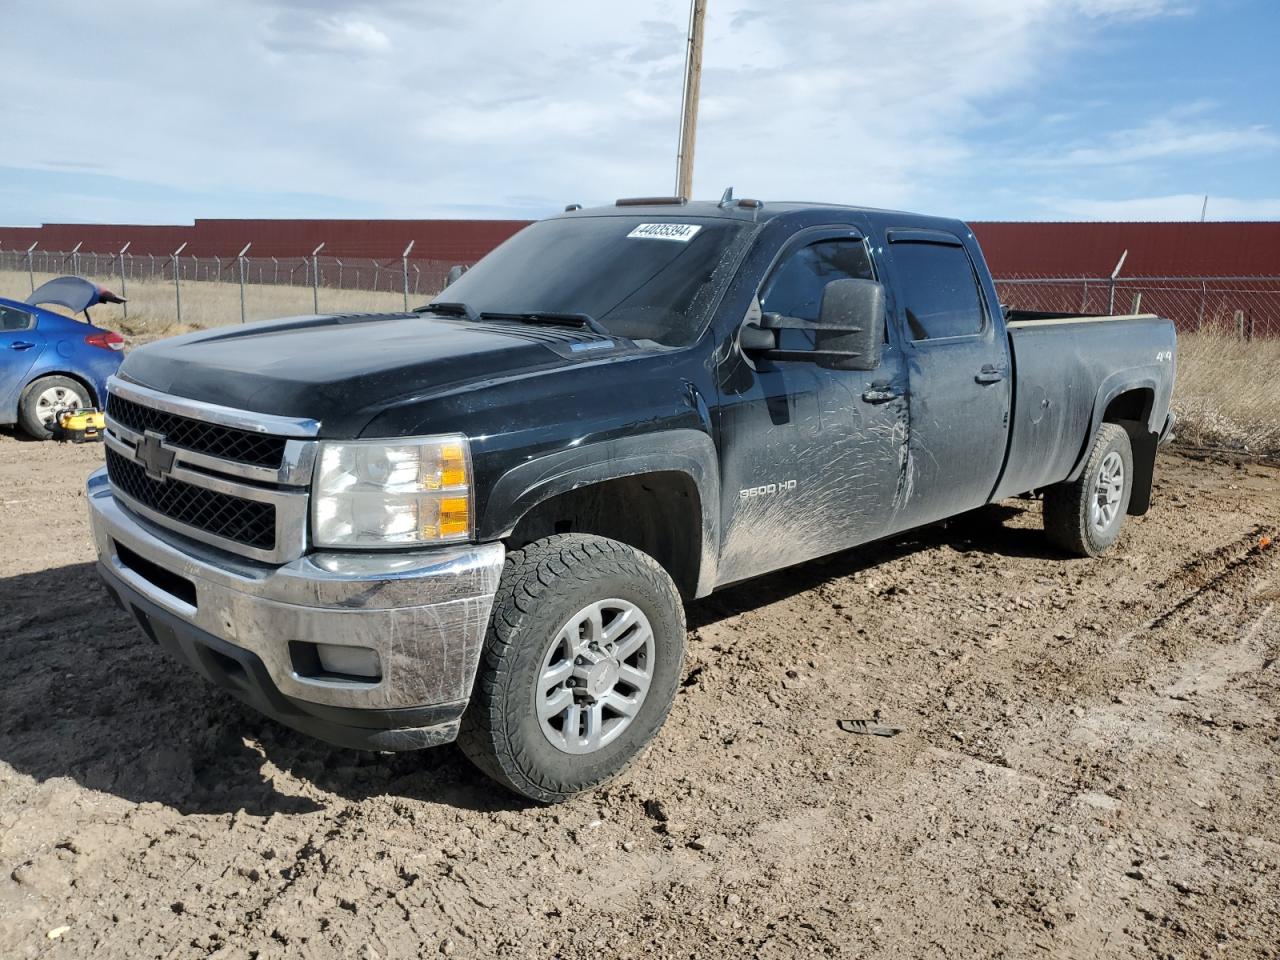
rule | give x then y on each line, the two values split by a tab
685	451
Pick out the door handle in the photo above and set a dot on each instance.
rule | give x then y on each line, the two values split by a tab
990	374
880	393
21	345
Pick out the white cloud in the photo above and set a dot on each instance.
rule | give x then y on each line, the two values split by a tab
303	32
398	108
1165	137
1178	207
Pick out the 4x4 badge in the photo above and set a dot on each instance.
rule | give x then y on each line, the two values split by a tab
155	457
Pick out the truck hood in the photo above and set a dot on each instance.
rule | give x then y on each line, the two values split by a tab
343	369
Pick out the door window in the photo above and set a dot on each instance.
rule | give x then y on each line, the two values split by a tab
938	289
795	290
13	320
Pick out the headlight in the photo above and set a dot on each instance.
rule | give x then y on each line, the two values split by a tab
379	493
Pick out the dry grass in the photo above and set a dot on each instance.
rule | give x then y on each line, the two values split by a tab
1226	395
153	310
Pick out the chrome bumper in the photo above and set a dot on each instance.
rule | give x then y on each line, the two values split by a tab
425	612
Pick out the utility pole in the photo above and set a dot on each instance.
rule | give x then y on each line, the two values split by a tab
689	102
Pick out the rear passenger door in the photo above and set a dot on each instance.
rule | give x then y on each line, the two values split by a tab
958	371
20	344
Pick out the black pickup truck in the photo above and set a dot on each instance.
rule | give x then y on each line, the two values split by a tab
479	520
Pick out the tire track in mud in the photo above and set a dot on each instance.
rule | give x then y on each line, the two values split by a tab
1217	570
1150	624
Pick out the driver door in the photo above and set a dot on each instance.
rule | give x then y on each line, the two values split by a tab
812	456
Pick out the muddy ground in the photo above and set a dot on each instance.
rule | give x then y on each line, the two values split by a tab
1089	767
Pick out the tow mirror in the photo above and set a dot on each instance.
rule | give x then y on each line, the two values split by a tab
851	324
849	333
456	271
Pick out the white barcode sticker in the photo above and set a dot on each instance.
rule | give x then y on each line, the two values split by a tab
679	232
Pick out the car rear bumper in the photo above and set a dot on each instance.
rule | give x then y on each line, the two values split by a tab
251	628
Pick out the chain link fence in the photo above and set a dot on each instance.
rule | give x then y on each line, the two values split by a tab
414	280
1245	307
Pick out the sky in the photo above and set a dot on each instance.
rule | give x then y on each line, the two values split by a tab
161	111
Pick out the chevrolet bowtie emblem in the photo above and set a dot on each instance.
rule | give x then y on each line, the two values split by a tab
155	457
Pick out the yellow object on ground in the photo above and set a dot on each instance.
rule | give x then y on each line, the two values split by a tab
82	426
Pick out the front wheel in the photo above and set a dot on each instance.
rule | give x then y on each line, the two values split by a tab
1084	516
580	666
45	399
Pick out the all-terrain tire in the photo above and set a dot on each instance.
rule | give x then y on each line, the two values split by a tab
544	584
33	417
1073	511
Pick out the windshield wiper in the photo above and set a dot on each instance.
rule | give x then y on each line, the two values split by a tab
450	309
550	317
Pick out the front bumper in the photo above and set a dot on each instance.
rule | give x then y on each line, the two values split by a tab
234	620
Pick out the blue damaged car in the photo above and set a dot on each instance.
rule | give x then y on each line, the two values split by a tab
51	363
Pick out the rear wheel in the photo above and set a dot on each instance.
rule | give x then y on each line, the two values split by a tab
580	666
45	399
1084	516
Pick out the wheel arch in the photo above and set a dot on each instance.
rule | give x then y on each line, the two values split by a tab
659	493
70	375
1128	399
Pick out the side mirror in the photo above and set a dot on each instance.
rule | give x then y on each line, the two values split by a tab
849	334
850	328
456	271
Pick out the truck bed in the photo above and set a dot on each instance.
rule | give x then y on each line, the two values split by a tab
1063	367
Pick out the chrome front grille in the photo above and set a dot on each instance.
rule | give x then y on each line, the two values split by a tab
247	522
231	478
199	436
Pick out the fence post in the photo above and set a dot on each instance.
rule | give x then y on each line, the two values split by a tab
177	286
275	271
124	286
417	278
31	273
404	259
75	258
315	277
1204	296
240	259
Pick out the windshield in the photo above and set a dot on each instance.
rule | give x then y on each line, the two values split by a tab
642	278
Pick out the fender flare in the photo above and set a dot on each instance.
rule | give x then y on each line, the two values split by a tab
79	378
1146	377
685	451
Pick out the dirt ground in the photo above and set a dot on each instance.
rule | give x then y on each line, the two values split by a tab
1088	767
